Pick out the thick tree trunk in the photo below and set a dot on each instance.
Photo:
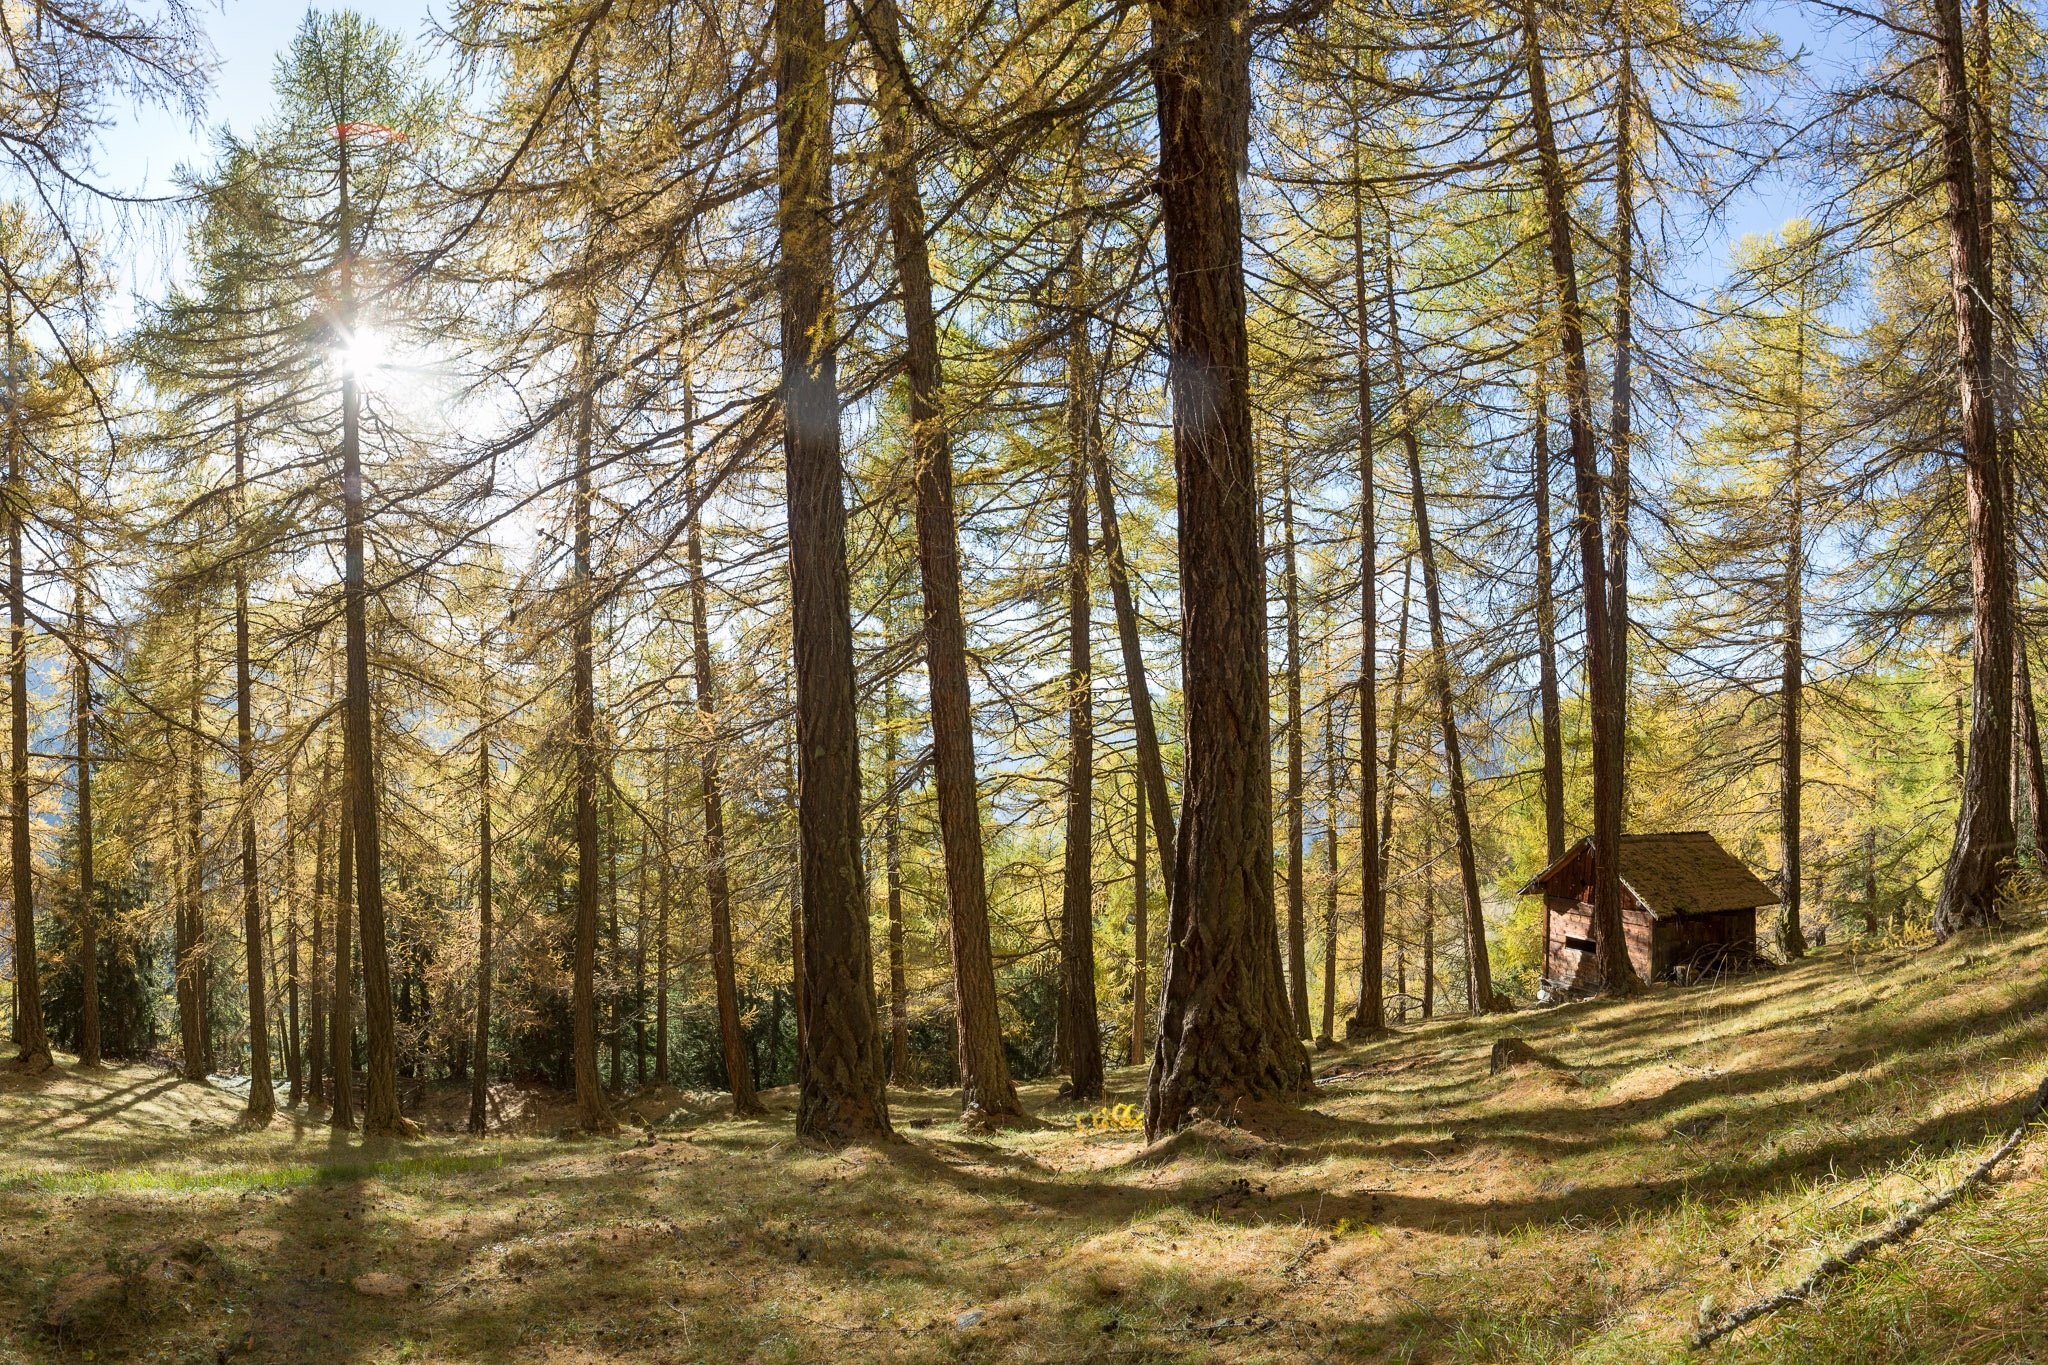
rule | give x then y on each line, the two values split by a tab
1550	708
710	782
1479	966
1617	973
341	1028
1116	568
30	1032
1290	605
1080	1024
261	1105
591	1111
1225	1033
1369	1016
986	1088
1983	848
480	1044
842	1096
88	914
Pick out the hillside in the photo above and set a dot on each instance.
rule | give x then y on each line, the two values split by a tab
1691	1150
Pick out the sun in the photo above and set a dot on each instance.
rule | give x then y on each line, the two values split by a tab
364	353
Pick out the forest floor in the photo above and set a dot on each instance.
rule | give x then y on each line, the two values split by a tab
1688	1152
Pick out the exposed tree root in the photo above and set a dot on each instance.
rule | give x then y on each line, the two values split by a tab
1894	1232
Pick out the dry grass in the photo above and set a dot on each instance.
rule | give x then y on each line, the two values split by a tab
1694	1149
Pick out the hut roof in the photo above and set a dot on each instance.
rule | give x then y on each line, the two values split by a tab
1686	872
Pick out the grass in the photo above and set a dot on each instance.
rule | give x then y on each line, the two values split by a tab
1695	1149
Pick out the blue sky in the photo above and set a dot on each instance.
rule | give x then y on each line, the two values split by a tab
141	154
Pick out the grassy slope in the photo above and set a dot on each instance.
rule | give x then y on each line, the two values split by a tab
1701	1147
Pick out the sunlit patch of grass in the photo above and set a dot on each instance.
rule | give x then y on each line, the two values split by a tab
395	1170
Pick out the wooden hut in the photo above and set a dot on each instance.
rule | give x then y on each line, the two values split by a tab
1685	902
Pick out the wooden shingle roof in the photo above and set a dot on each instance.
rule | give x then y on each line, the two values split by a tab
1686	872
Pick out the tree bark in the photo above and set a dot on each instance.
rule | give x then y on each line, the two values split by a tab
986	1088
1080	1025
480	1046
892	868
1791	684
1621	403
192	958
842	1096
717	884
1550	722
88	913
1141	995
663	893
1116	568
359	767
30	1032
1328	1034
294	1054
261	1105
1983	848
592	1113
1480	970
1290	603
1618	975
316	1028
1369	1016
341	1113
1225	1033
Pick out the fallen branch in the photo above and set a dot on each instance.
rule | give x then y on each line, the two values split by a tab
1898	1230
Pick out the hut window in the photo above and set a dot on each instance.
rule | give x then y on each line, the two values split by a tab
1584	945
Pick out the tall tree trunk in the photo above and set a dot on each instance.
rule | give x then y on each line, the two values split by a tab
359	766
892	870
1369	1016
1328	1034
1984	838
1290	605
986	1088
1116	568
614	970
294	1055
1141	908
663	892
710	782
1550	721
842	1096
480	1046
1080	1025
194	1025
88	914
30	1032
1480	970
1429	918
591	1111
316	1029
1225	1033
1791	685
1621	403
261	1105
1618	976
341	1028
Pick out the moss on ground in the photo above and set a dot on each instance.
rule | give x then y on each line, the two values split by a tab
1690	1151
